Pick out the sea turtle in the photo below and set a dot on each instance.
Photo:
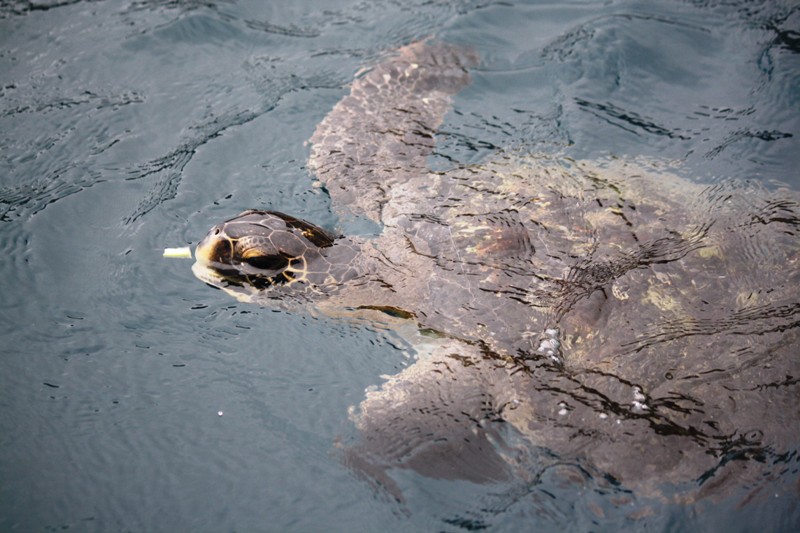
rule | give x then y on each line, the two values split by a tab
606	315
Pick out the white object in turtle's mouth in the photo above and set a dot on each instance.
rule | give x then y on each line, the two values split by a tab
183	252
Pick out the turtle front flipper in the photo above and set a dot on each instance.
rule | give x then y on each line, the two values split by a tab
381	133
443	417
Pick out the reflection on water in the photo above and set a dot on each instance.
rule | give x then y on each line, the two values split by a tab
614	343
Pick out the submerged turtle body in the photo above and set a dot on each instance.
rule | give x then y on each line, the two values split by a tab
610	314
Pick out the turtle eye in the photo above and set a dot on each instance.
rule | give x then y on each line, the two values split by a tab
267	262
223	250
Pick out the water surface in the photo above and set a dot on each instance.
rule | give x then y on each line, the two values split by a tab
136	398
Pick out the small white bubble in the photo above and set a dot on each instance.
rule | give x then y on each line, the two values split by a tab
603	416
637	395
543	346
219	413
563	411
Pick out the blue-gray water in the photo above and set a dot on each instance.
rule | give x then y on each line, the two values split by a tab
127	127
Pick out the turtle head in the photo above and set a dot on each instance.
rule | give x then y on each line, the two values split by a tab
262	249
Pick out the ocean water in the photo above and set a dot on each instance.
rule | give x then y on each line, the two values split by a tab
135	398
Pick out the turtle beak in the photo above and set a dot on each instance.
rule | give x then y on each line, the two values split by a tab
213	248
207	266
205	249
207	275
